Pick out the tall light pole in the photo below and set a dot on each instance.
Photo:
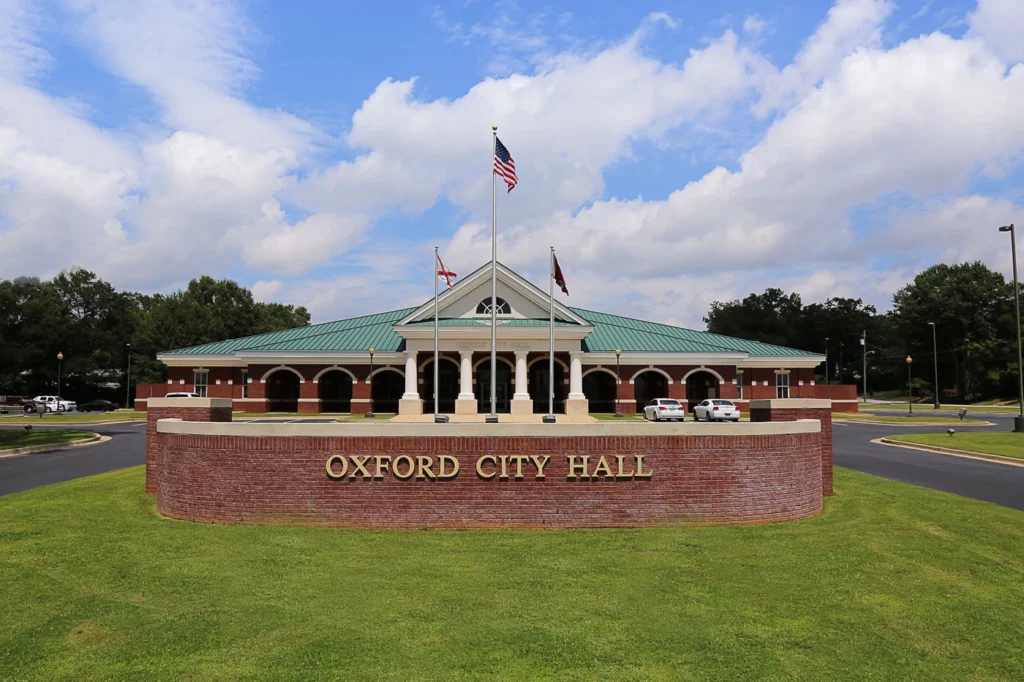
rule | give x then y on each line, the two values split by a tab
910	389
826	361
935	356
864	352
618	410
128	380
60	359
369	413
1018	421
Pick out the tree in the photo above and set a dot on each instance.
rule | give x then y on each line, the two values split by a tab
969	305
841	321
772	317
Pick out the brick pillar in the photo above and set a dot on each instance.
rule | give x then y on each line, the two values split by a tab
185	409
360	396
627	397
309	397
786	410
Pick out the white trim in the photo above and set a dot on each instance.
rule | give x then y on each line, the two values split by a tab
782	371
302	379
309	400
218	382
325	370
702	369
646	358
385	368
440	356
651	369
544	358
500	359
601	369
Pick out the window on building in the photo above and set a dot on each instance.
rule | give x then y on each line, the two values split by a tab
782	385
200	383
739	385
484	307
245	384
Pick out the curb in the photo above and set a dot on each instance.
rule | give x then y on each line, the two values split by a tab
71	424
966	454
970	422
50	447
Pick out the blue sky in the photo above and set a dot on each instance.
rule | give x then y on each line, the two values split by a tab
674	153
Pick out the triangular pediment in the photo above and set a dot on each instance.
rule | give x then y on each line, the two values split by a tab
524	299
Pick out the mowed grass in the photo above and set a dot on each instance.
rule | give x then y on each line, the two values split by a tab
23	439
890	582
1005	443
73	417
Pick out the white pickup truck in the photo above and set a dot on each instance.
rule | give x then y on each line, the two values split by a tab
52	403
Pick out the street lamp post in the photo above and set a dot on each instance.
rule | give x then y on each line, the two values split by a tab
840	377
935	355
866	354
618	410
369	413
1018	421
128	380
826	361
910	389
60	359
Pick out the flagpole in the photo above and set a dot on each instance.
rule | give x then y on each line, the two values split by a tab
551	335
493	416
436	262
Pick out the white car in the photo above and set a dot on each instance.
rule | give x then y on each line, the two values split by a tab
716	410
181	394
664	408
52	403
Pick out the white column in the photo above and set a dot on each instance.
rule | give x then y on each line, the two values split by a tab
466	375
411	387
522	391
576	375
576	404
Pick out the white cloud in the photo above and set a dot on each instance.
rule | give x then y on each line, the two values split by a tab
266	291
999	24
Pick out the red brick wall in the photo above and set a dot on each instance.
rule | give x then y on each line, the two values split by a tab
197	414
821	414
695	479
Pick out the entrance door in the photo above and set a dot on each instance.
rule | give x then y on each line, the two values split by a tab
502	391
539	386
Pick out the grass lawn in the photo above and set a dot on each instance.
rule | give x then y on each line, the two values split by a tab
890	582
74	417
23	439
1005	443
901	418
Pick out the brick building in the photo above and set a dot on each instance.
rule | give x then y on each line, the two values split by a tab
387	358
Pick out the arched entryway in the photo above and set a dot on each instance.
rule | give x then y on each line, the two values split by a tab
448	384
539	386
386	389
283	391
503	390
599	388
335	391
647	386
700	386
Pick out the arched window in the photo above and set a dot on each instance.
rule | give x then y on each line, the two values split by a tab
484	307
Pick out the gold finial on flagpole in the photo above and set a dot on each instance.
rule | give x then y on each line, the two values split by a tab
494	128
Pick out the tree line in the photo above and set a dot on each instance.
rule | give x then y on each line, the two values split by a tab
95	327
971	308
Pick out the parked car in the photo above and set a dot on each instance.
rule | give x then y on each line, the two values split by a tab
664	408
12	403
98	406
716	410
52	403
181	394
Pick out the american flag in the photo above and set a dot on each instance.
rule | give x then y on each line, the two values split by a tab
504	165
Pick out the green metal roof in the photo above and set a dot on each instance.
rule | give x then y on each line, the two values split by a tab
610	332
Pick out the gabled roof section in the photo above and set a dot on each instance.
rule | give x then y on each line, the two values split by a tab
504	275
352	334
613	331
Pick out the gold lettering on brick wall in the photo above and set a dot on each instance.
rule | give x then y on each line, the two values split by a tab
502	467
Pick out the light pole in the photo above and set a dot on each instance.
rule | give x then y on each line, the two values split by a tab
935	355
369	413
618	410
826	361
866	354
128	380
60	359
910	389
840	377
1018	421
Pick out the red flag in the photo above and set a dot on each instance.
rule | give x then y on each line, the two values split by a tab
444	273
559	278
